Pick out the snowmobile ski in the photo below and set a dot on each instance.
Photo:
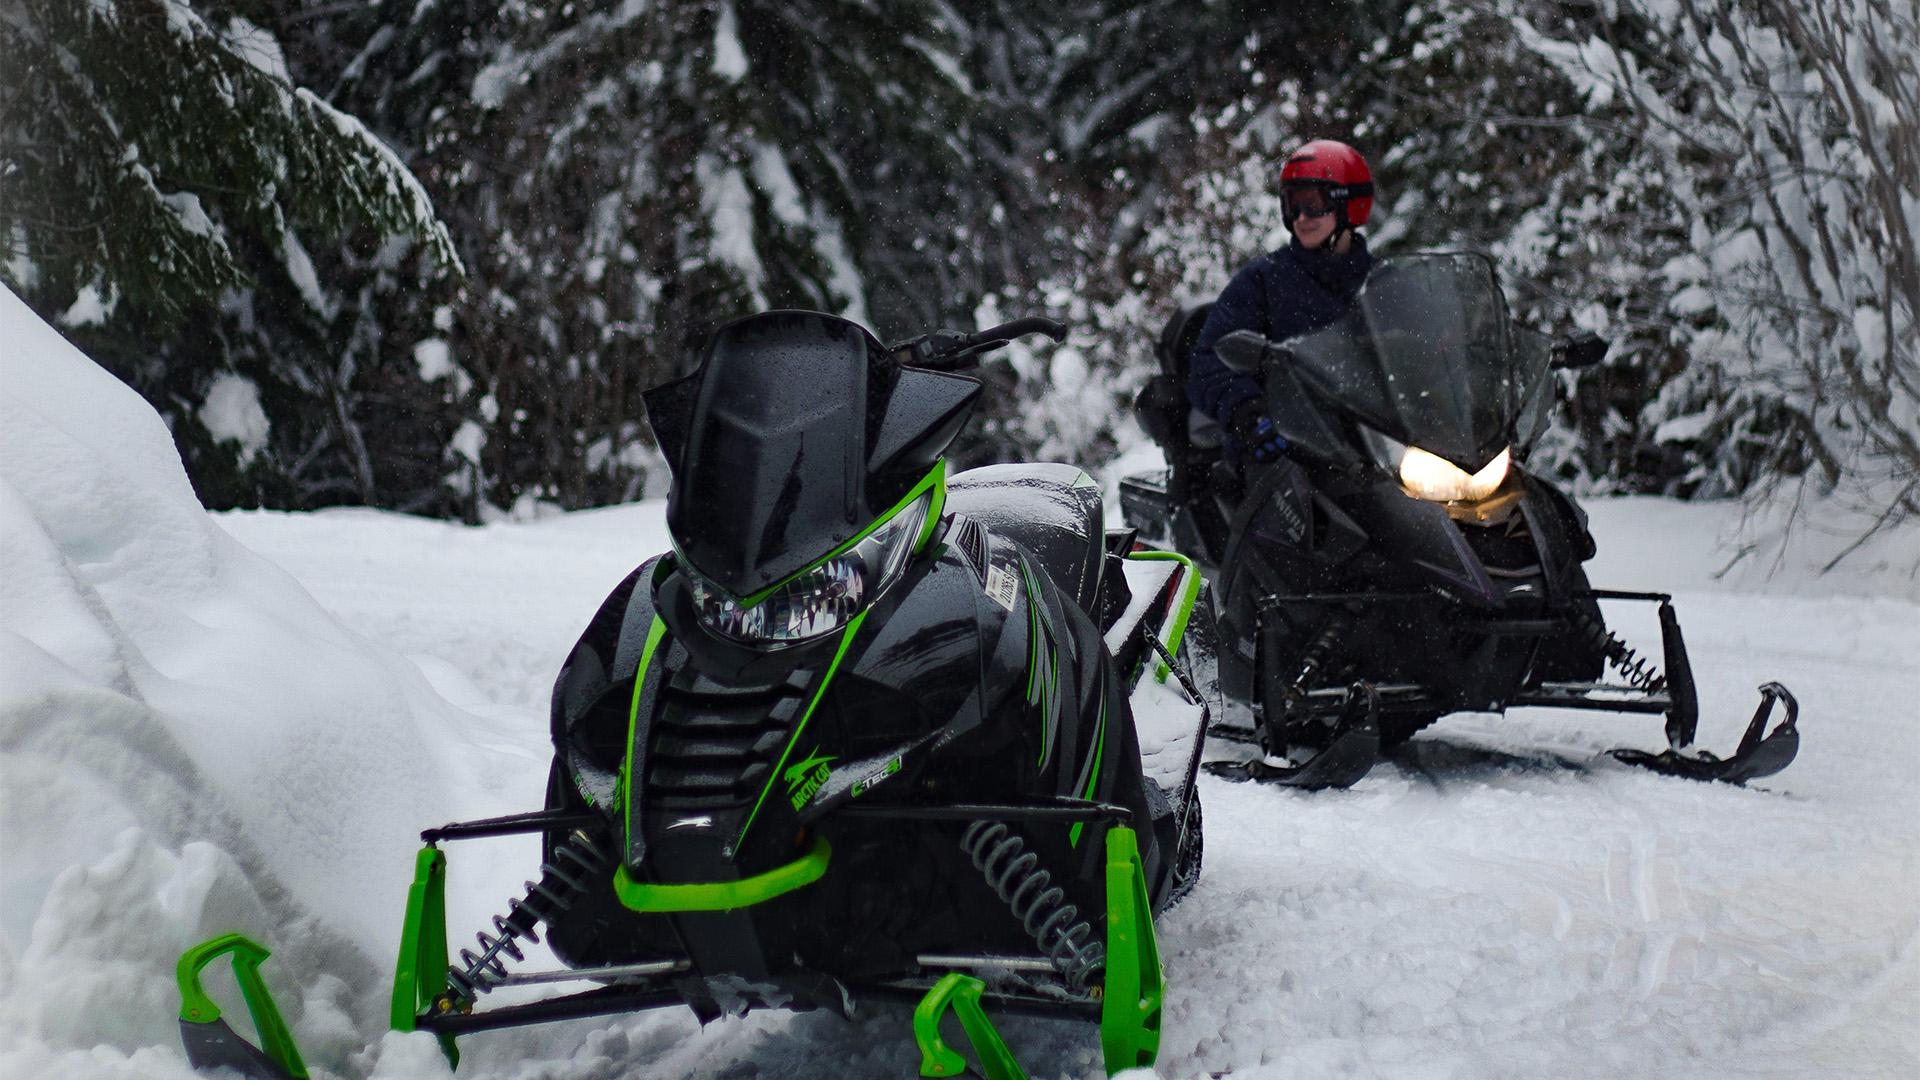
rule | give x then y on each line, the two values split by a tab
1760	753
1350	755
209	1041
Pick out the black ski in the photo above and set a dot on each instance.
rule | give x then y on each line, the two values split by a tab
1760	753
1347	757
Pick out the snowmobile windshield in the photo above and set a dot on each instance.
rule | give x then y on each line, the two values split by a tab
1428	356
773	475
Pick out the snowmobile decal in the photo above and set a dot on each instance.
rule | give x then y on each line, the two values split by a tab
1002	587
806	778
867	783
1043	666
779	767
1090	776
624	795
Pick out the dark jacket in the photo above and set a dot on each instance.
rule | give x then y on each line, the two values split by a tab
1281	294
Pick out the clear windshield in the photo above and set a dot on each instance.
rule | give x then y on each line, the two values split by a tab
1429	356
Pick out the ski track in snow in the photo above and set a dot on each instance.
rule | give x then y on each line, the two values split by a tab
199	734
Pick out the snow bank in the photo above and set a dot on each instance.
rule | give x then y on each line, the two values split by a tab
190	745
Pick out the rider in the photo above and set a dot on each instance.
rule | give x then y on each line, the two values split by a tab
1326	194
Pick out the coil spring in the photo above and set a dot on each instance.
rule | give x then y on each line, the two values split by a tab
1637	670
563	878
1000	855
1315	655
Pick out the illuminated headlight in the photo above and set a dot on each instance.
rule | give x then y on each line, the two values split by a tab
821	598
1432	477
1429	476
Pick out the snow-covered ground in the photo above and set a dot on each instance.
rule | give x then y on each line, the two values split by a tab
240	721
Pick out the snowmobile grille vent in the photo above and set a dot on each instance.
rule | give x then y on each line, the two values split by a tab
970	540
713	747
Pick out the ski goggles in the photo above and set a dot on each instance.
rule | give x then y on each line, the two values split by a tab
1309	202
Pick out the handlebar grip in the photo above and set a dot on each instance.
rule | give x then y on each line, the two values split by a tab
1030	324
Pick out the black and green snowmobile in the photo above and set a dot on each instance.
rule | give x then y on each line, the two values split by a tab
869	733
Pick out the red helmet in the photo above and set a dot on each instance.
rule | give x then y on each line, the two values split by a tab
1334	168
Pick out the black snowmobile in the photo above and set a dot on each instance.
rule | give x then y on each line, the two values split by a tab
1401	563
866	734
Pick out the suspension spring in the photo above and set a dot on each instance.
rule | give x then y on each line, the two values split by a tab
1000	855
1637	670
576	861
1318	651
1314	658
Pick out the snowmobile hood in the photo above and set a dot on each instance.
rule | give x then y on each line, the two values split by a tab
1428	356
796	432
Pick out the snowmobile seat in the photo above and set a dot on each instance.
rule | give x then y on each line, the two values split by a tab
1053	510
1190	437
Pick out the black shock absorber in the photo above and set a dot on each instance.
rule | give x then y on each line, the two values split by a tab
1314	657
1064	938
576	861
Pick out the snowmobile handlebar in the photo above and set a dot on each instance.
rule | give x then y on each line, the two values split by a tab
1028	324
1245	350
951	350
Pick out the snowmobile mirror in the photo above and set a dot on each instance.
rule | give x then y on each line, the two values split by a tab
1241	351
1581	350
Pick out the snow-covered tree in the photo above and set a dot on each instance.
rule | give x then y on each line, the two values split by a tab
164	186
144	142
1190	191
624	176
1784	139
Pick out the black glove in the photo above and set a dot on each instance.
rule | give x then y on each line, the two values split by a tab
1256	433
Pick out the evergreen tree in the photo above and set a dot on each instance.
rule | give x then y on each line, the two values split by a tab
624	177
1779	142
162	184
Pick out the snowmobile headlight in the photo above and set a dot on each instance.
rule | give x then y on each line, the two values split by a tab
1433	477
1427	475
821	598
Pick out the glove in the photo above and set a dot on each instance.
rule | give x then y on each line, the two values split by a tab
1256	433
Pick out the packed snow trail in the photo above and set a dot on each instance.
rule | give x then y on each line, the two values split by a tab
192	740
1501	900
